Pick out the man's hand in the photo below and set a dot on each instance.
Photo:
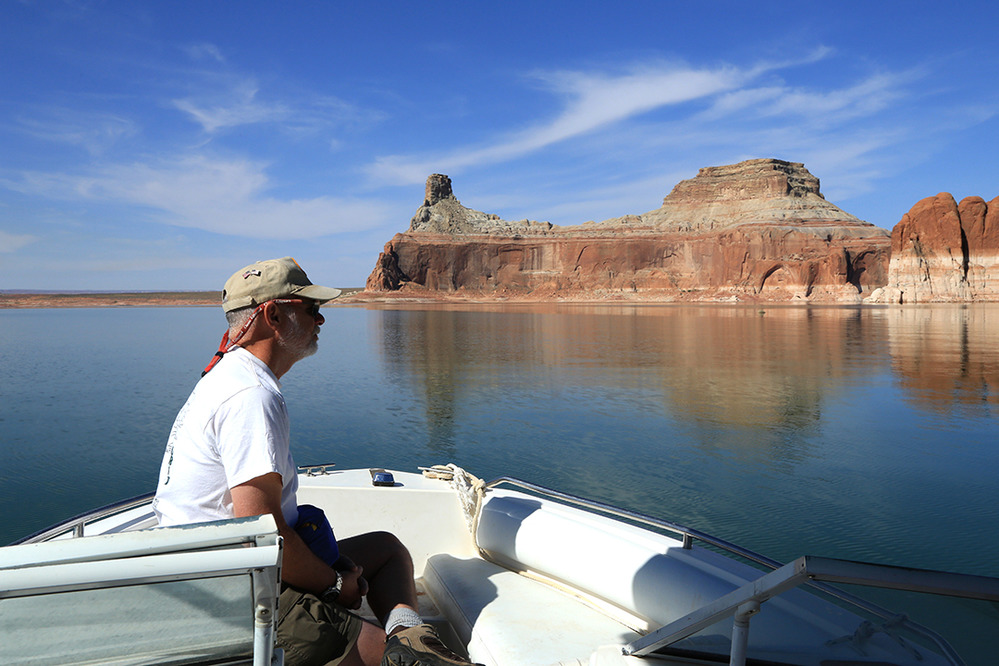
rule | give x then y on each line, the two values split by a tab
353	587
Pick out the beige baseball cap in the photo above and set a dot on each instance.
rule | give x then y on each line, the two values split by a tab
267	280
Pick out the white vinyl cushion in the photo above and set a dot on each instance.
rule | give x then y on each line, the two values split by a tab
506	618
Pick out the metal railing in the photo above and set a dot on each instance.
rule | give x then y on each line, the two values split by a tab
133	560
807	570
77	523
687	534
744	602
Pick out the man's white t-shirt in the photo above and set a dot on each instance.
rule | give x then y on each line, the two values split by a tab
234	427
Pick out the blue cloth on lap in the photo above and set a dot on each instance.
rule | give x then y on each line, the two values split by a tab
317	533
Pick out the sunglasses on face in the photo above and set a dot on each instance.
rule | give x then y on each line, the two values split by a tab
311	307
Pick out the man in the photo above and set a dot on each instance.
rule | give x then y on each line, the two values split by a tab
228	456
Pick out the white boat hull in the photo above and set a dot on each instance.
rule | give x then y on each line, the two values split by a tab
529	580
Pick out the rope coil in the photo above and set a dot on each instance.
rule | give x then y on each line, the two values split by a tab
469	488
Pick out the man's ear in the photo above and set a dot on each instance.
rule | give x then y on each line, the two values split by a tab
272	314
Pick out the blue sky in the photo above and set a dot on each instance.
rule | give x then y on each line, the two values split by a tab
163	145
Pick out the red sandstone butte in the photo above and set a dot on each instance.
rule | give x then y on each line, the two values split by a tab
757	230
942	251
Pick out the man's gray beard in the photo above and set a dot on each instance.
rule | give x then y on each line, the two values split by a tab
299	344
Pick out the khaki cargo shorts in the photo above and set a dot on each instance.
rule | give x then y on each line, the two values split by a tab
312	632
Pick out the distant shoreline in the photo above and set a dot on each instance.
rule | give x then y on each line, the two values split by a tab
125	299
145	299
13	300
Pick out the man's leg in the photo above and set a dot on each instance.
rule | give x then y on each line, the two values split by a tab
368	649
388	568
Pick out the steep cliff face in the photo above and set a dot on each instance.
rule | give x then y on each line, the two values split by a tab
942	251
757	230
980	223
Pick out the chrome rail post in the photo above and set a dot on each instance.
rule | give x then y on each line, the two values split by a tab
263	636
740	632
266	589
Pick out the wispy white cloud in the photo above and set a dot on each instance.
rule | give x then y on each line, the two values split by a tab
596	100
602	111
851	135
221	196
865	98
203	51
223	102
236	106
738	101
14	242
824	107
95	132
593	100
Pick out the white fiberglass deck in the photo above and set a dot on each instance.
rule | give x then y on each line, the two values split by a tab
563	586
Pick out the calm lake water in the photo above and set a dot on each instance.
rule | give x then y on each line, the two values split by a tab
861	433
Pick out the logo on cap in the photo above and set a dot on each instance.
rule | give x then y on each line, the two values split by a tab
252	271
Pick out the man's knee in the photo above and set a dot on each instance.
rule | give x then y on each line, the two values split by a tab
372	550
389	542
394	550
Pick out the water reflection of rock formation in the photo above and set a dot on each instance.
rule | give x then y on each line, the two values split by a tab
770	368
430	344
765	371
947	355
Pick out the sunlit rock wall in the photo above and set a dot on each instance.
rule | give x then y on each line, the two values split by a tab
942	251
757	230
